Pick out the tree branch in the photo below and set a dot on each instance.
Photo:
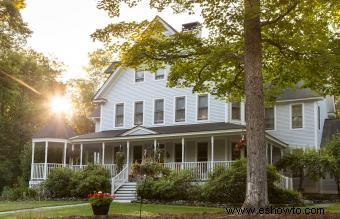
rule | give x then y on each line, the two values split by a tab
281	16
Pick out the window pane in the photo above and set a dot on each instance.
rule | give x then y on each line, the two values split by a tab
180	109
138	113
236	111
159	74
202	107
297	120
119	115
203	101
269	118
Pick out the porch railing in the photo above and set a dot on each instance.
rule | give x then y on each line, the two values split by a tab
119	179
200	170
285	182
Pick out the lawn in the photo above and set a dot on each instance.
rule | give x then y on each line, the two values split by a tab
8	206
116	208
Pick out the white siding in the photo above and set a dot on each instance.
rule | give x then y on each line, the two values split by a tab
125	90
304	137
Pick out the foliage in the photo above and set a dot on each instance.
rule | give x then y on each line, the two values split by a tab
19	193
60	182
98	199
332	164
119	159
176	186
149	168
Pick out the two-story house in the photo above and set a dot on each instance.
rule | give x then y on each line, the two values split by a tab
138	115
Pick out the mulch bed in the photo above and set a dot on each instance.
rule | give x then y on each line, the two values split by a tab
217	216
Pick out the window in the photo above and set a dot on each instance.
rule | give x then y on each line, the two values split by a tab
159	111
269	118
180	109
139	113
202	107
159	75
119	121
236	111
297	118
139	75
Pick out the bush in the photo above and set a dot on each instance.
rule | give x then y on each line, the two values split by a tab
176	186
149	168
60	183
19	193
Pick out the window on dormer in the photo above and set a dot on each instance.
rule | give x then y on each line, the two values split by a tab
269	118
297	116
180	109
236	111
159	75
159	111
139	75
119	115
202	111
138	113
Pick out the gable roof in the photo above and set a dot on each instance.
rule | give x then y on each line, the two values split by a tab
56	127
295	94
330	128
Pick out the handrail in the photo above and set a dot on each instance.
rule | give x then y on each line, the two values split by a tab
285	182
118	180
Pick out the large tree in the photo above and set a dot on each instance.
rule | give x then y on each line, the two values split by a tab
251	43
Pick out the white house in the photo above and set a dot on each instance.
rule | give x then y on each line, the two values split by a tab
137	114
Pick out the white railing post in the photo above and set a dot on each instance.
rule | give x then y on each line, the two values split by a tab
127	158
81	155
155	148
32	163
45	169
103	153
182	166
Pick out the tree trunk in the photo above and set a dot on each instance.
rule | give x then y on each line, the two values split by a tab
257	193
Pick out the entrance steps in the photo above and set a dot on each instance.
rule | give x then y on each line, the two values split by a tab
126	193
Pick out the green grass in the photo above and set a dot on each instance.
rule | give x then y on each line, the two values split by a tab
9	206
116	208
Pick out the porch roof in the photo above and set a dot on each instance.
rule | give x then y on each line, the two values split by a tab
177	129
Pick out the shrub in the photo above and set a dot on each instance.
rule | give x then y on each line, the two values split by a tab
91	179
150	168
60	183
19	193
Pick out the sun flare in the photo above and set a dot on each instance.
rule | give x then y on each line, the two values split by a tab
61	105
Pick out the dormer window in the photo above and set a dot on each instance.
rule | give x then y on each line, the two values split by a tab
202	111
159	75
269	118
139	75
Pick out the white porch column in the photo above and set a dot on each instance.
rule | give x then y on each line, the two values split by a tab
212	152
271	154
103	154
46	150
72	154
32	163
128	157
81	155
64	154
155	148
267	153
183	158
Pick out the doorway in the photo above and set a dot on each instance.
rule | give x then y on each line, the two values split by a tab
137	153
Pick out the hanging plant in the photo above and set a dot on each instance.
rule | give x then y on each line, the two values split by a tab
119	158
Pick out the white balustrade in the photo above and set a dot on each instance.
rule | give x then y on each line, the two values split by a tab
119	179
285	182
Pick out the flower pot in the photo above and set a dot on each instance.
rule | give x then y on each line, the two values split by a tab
101	209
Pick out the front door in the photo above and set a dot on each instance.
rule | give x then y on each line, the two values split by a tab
137	153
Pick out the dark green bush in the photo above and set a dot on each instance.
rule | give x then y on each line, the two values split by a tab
150	168
60	183
18	193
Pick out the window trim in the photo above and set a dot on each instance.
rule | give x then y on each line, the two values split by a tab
291	113
186	109
161	79
274	129
135	74
231	113
115	115
154	108
133	113
208	116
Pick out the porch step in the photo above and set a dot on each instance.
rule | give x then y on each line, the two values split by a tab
126	193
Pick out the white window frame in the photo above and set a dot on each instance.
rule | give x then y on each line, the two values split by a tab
115	115
186	109
135	74
154	108
274	129
133	112
196	115
241	112
291	113
159	79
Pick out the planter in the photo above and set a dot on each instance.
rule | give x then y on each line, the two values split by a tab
101	209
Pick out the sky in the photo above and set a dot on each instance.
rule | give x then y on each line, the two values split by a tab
62	28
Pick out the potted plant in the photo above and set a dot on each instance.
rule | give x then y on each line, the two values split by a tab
100	202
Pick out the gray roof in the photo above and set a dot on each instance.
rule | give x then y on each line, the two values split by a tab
165	130
56	127
330	128
291	94
96	113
